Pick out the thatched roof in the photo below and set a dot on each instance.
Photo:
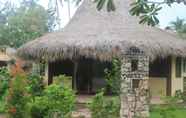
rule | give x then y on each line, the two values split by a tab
103	35
4	57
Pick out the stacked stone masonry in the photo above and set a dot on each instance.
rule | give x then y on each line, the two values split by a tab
134	101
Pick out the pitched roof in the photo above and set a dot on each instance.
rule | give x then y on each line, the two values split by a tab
103	35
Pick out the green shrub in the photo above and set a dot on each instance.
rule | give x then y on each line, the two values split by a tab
4	85
61	99
57	101
63	80
39	108
4	81
17	98
113	76
100	106
179	94
35	85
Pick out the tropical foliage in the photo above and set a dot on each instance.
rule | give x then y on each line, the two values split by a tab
35	85
179	26
101	106
4	86
17	98
24	95
146	10
57	101
113	78
25	23
4	81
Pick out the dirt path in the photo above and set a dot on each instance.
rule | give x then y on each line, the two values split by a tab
2	116
81	113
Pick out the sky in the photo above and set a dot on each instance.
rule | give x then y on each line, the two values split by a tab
64	14
166	15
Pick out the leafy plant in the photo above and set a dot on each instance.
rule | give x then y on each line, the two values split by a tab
57	101
61	99
39	108
4	81
113	76
65	81
147	10
100	106
179	94
35	85
17	98
26	23
4	85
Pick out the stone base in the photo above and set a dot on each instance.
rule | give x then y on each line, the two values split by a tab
134	103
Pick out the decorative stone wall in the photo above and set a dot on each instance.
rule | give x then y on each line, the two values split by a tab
134	101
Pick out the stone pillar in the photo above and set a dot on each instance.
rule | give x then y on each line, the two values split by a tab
134	101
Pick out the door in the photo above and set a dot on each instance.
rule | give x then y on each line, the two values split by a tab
84	76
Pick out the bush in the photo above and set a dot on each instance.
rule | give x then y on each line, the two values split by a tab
100	106
63	80
113	76
4	85
17	98
35	85
57	101
4	81
39	108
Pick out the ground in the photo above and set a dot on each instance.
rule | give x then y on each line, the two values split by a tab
83	112
178	113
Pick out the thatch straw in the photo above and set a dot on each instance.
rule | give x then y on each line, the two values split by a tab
103	35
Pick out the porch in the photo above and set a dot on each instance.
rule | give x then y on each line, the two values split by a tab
90	75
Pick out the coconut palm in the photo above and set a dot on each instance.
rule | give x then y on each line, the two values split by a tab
178	24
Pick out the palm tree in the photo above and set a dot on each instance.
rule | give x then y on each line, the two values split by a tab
178	25
183	31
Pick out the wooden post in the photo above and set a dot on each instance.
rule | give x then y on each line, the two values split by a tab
50	73
74	80
169	77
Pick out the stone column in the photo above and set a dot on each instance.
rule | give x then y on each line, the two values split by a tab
134	102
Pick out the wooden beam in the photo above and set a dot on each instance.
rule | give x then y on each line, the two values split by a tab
74	81
50	73
169	77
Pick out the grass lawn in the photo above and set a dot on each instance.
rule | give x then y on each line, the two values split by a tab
177	113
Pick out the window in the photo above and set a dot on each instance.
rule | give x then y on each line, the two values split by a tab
178	67
135	83
134	65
